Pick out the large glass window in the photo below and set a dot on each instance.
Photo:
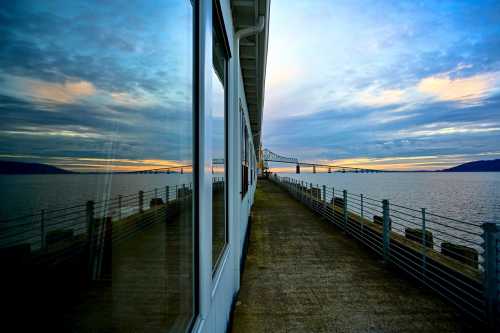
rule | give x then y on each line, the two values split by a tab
96	160
219	124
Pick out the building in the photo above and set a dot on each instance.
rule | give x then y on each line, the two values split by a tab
136	127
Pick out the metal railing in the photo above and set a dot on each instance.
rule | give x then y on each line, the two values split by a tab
457	259
52	237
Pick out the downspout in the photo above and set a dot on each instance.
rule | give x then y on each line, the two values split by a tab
250	30
237	72
238	36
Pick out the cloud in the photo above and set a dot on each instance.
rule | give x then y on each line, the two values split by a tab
103	164
402	163
390	117
376	98
439	129
66	132
397	163
65	93
39	91
467	91
133	100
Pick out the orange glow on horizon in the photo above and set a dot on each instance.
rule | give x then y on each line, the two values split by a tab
410	163
90	164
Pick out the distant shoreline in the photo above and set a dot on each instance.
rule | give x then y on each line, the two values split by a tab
23	168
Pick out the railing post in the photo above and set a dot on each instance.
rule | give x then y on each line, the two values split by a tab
362	206
361	199
90	236
386	229
333	202
491	236
424	243
141	201
120	207
167	193
42	229
324	195
311	194
302	190
89	213
345	210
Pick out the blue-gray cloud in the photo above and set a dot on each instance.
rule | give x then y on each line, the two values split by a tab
425	80
96	80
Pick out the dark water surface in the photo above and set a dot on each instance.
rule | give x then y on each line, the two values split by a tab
28	194
472	197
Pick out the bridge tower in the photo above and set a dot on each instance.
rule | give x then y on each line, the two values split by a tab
297	168
314	168
329	170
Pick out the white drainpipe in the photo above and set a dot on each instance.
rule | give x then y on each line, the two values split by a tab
237	72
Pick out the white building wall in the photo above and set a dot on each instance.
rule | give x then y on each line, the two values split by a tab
217	292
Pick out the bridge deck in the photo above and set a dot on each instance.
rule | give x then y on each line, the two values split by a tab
304	275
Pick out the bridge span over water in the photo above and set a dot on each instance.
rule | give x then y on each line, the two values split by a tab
270	156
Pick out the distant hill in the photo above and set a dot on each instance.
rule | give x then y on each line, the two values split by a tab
21	168
476	166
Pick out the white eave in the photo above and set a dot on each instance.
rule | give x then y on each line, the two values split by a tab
253	58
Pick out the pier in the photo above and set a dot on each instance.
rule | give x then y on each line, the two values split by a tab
304	275
319	259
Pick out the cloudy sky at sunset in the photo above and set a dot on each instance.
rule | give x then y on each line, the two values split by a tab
412	85
89	85
381	84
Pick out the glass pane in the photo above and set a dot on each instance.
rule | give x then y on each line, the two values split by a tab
218	150
96	147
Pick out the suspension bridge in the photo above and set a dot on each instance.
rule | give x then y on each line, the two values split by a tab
267	156
177	168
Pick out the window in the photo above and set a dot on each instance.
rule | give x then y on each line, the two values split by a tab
244	154
220	55
251	170
96	119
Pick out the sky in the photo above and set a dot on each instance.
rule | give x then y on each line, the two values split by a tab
397	85
96	85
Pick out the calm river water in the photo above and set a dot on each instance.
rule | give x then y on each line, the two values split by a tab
28	194
472	197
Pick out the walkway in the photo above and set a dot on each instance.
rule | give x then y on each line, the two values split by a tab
304	275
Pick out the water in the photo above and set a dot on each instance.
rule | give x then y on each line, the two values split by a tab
456	203
28	194
471	197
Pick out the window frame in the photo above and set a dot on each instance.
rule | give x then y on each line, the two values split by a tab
244	155
219	26
196	164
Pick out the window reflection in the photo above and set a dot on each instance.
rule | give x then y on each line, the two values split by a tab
96	164
219	224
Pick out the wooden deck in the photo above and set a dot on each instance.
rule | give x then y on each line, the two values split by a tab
304	275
